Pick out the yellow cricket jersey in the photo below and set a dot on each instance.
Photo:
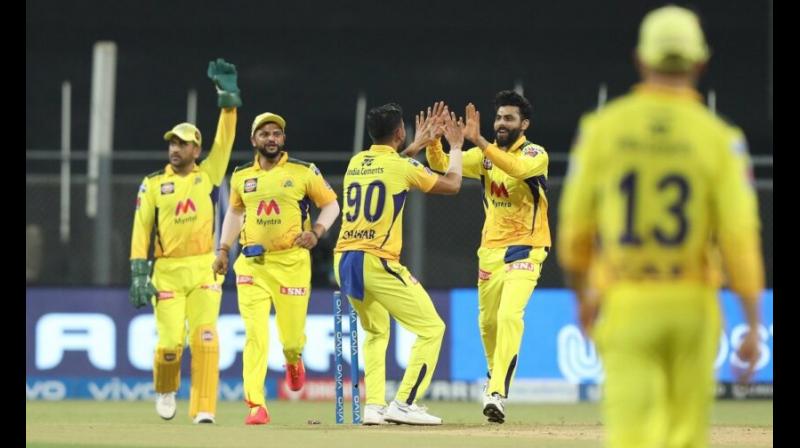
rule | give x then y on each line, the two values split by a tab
276	202
182	207
376	184
514	185
655	182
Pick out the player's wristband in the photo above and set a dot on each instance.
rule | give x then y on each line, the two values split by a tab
224	248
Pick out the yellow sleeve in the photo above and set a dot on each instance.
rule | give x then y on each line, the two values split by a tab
439	161
217	161
143	220
318	189
532	163
735	208
419	176
577	213
235	199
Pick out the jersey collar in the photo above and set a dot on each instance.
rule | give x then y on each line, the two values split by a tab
282	160
171	172
649	88
517	144
382	148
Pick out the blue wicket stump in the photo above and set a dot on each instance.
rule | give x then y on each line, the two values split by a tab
339	367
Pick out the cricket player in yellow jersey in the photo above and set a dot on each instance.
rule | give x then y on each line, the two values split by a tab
515	239
269	207
367	260
656	184
180	202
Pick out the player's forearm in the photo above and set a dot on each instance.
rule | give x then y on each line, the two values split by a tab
412	149
140	238
519	168
327	216
220	154
231	227
450	183
744	265
437	159
578	281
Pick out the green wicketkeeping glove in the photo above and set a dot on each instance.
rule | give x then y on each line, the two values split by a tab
142	290
224	76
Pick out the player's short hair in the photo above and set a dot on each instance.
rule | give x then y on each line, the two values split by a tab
512	98
382	121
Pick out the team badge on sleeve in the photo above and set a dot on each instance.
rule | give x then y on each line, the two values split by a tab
531	151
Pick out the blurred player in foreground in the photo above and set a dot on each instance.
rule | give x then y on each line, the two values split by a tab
656	185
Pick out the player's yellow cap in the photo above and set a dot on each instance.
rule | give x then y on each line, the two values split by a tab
186	132
267	117
670	39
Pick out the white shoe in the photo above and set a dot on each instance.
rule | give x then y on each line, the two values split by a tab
410	414
203	417
165	405
374	415
493	408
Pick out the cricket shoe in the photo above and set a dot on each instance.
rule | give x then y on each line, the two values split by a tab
257	416
374	414
165	405
296	375
410	414
493	408
203	417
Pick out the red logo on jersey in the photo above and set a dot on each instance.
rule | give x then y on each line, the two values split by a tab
244	279
184	207
484	275
499	190
267	209
164	295
293	291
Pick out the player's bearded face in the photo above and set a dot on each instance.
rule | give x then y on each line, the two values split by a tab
269	140
507	125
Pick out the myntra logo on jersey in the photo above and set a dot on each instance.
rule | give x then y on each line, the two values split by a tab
95	335
183	208
499	190
266	209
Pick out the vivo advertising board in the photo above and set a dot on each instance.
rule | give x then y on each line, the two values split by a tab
90	343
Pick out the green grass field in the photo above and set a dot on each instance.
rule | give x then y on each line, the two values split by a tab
135	424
